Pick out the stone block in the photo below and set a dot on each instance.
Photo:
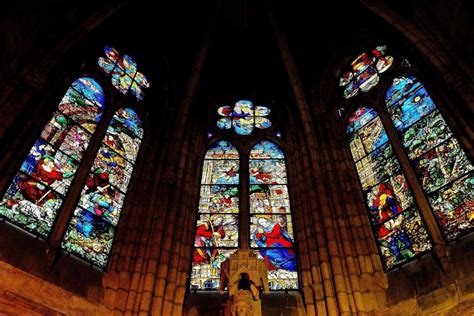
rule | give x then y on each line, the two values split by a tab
438	300
381	297
466	285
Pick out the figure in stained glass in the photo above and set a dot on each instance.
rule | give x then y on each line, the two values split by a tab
442	165
426	134
385	204
267	172
269	235
219	199
92	229
36	193
400	238
436	155
269	199
396	240
207	236
271	228
217	231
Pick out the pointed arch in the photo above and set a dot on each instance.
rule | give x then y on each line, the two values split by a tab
397	225
441	165
91	231
271	225
35	196
217	231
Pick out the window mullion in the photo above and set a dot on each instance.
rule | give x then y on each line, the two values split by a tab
73	195
419	196
244	210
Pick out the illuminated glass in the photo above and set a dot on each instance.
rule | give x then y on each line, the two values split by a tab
443	169
217	227
91	231
34	197
271	226
123	70
397	225
243	117
364	71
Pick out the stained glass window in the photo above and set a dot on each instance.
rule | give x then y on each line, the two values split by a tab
93	226
243	117
442	167
399	230
271	227
123	70
34	197
217	229
364	71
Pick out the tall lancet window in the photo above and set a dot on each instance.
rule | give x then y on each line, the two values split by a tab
45	196
398	228
437	167
217	229
271	227
35	196
441	165
92	229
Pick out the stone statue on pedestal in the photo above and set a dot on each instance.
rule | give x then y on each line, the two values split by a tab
244	275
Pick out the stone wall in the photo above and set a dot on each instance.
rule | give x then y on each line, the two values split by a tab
275	303
339	265
22	293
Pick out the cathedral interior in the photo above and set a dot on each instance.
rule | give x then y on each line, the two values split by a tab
237	158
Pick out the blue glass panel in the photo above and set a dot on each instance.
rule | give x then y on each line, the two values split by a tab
222	150
130	120
412	109
401	88
359	118
90	89
266	150
224	123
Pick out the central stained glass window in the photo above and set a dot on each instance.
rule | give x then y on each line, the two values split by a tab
271	228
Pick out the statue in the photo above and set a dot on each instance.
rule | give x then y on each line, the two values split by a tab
244	275
240	305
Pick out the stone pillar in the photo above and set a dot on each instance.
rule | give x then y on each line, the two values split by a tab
430	50
164	289
336	274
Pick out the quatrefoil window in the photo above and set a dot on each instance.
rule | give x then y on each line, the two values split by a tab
364	71
243	117
123	70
